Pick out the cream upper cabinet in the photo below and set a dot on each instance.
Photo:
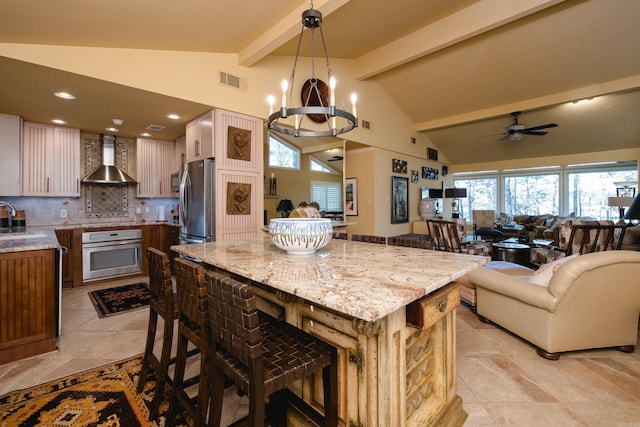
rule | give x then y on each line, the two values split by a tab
50	161
155	161
200	138
10	158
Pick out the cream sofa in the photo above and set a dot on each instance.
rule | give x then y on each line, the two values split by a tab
591	301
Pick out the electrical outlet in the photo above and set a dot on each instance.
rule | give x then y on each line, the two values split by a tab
63	213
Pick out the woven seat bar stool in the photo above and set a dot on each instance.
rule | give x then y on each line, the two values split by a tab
369	239
193	314
161	304
263	356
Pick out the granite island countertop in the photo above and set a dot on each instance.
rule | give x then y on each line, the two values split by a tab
28	239
364	280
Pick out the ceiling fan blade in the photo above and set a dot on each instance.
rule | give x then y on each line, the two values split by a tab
537	133
547	126
505	137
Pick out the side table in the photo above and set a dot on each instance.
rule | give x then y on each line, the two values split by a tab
517	253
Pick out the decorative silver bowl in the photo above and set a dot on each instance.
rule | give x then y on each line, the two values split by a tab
300	236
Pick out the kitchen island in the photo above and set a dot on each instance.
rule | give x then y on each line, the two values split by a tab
389	311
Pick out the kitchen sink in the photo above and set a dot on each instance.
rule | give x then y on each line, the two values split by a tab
22	235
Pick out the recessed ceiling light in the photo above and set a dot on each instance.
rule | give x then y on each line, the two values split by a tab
64	95
112	129
145	134
117	122
173	116
59	121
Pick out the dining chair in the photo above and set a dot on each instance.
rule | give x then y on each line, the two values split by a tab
161	304
192	323
263	357
369	239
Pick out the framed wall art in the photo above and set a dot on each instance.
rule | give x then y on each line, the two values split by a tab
399	199
414	176
429	173
445	170
399	166
432	154
351	196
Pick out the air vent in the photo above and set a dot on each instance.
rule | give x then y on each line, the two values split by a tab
155	128
232	81
366	124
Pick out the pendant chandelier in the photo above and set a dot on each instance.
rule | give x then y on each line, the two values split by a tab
318	99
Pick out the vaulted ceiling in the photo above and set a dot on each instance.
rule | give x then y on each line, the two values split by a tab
457	68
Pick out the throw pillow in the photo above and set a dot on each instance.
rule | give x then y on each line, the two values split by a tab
542	276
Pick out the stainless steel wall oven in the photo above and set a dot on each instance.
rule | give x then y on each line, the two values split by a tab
108	254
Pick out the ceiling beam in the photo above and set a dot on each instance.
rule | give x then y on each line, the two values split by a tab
285	30
472	21
599	89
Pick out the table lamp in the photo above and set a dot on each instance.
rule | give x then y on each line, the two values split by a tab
620	203
455	194
285	206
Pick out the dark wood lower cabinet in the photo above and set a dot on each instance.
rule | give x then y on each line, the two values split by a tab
65	238
27	304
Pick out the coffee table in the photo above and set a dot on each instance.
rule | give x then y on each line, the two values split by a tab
517	253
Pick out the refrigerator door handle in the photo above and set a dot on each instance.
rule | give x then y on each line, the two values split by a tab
185	185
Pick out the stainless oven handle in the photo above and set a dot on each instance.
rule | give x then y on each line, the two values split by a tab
111	243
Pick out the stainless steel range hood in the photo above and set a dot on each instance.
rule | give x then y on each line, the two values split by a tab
108	173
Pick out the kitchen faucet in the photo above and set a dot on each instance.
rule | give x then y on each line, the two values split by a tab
10	206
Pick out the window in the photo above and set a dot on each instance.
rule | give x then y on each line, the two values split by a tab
317	166
482	193
581	189
532	194
588	191
283	155
328	195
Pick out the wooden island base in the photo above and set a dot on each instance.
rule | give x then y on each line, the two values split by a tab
388	310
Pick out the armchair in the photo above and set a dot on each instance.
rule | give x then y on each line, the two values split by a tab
589	301
484	223
450	236
580	237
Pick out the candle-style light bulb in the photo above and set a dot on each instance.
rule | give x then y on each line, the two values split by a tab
297	125
271	100
354	98
332	86
285	87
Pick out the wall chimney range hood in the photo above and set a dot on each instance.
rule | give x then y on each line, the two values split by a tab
108	173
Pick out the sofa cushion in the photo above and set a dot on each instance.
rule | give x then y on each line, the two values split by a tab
543	275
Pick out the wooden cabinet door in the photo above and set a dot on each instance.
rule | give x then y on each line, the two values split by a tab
65	170
155	160
65	238
200	138
28	304
36	163
10	158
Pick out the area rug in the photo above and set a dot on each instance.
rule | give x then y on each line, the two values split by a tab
121	299
104	396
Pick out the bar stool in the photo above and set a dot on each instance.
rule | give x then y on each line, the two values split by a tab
263	356
192	323
339	235
369	239
161	304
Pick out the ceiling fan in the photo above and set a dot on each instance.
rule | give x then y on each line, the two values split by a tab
516	131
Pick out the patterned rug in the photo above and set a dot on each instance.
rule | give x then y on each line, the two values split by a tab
111	301
101	397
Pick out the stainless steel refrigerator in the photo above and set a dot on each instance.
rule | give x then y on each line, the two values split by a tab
197	202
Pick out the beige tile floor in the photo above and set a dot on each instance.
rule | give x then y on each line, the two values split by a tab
501	379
